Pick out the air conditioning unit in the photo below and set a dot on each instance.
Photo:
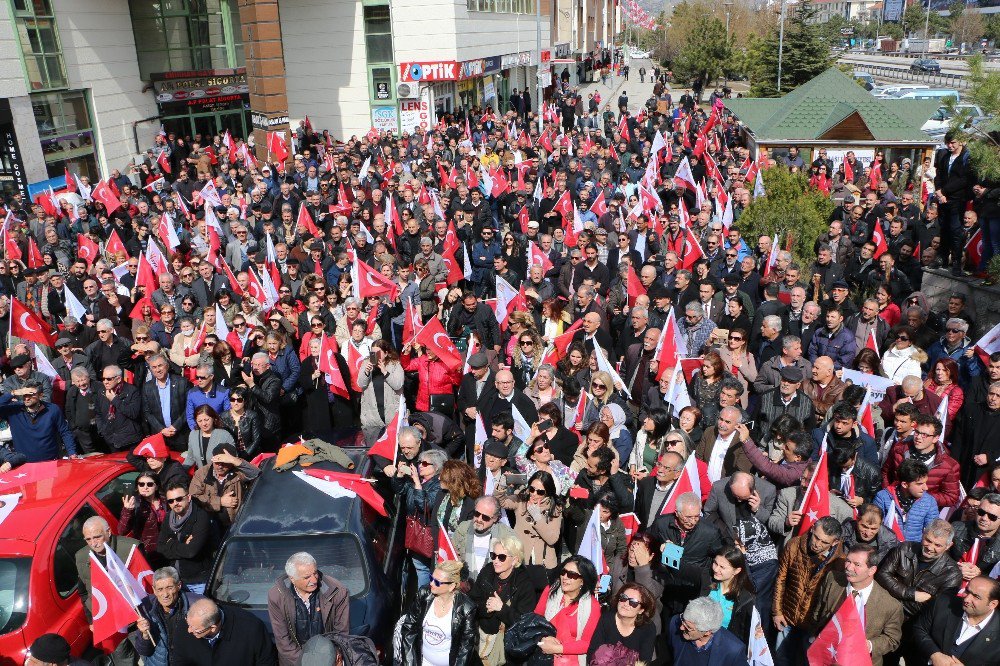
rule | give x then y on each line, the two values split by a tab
407	90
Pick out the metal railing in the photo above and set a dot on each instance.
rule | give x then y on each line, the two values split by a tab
934	79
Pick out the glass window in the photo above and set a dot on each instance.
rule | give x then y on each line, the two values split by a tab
64	562
378	34
177	35
112	494
42	56
14	574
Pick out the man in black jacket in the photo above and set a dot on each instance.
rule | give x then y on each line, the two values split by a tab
222	636
938	630
164	400
914	573
265	386
119	411
473	315
188	537
953	184
700	541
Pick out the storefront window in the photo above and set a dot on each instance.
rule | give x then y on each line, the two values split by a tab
39	39
65	129
181	35
502	6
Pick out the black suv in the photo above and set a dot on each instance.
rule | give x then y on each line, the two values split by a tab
926	65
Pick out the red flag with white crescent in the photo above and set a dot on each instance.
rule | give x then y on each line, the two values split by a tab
111	610
328	365
816	502
27	325
433	337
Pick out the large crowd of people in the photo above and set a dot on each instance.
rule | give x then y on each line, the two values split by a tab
214	306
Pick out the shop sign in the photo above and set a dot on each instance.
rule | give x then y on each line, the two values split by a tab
199	85
562	50
491	64
261	121
12	156
471	69
382	90
546	56
446	70
384	118
515	60
414	113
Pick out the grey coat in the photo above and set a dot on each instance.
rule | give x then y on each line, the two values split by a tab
722	511
789	500
194	457
392	387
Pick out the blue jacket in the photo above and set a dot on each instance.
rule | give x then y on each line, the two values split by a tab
218	398
723	650
968	368
482	260
923	511
841	346
287	366
159	654
37	438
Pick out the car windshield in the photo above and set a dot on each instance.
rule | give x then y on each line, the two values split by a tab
248	567
13	593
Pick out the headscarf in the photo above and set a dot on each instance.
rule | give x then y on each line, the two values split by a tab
618	415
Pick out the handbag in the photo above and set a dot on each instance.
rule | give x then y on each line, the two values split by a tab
419	539
443	403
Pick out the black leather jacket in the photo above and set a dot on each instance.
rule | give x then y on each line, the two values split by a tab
899	573
247	434
464	630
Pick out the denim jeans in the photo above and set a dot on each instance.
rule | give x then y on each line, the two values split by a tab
790	647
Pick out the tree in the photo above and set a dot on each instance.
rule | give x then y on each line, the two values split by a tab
790	209
967	28
915	17
982	139
701	60
805	55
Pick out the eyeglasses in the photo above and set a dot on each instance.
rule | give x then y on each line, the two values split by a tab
439	583
109	379
482	516
540	448
575	258
731	256
175	500
736	338
625	599
241	324
146	484
424	463
598	386
983	513
498	557
203	376
234	399
317	326
572	575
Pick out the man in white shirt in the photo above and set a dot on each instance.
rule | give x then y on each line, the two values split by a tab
714	452
961	630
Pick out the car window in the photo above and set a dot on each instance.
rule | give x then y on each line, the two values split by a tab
64	561
14	574
111	494
247	568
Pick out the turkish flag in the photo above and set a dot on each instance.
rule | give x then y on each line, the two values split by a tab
523	217
276	145
354	362
144	276
842	641
634	286
87	249
974	248
600	206
848	172
692	250
878	237
352	483
111	609
538	258
11	248
866	420
70	181
305	221
875	175
445	548
564	205
546	142
412	323
871	343
562	342
386	446
35	259
27	325
455	272
103	194
373	283
329	366
164	162
500	183
687	482
114	244
433	337
28	473
667	354
816	503
138	566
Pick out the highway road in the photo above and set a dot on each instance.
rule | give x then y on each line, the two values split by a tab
947	66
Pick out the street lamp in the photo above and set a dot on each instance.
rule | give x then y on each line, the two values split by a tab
927	34
725	73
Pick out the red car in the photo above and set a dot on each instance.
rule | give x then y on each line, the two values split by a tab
39	538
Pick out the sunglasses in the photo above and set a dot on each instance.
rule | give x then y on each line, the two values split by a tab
498	557
108	379
232	399
202	376
175	500
572	575
540	448
625	599
141	338
146	484
735	338
527	343
982	513
598	386
424	463
317	325
482	516
439	583
537	491
955	330
904	338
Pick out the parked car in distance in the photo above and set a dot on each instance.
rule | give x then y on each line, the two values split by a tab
941	120
925	65
930	93
865	79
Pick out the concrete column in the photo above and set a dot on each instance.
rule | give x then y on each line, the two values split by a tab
265	72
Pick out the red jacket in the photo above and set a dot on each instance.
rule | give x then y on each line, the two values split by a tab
435	378
942	482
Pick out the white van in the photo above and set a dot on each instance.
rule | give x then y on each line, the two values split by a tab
930	93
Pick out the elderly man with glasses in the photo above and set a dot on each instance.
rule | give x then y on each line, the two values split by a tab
109	349
119	410
472	537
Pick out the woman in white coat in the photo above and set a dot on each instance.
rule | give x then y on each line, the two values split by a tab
902	358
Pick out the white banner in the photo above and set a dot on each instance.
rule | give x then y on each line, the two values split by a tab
877	385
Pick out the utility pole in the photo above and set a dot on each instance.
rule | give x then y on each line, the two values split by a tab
781	41
728	4
538	70
927	34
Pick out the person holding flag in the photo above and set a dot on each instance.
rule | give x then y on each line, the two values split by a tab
99	539
160	613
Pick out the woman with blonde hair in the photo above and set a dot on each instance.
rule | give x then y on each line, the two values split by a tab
519	322
544	389
503	592
440	627
526	358
602	394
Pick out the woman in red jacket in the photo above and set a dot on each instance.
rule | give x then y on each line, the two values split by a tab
437	380
571	607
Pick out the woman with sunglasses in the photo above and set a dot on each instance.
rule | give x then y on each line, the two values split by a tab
526	358
570	605
422	496
648	442
228	371
626	623
243	423
380	379
142	514
502	593
538	455
519	322
902	358
738	360
732	589
440	628
602	391
538	514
